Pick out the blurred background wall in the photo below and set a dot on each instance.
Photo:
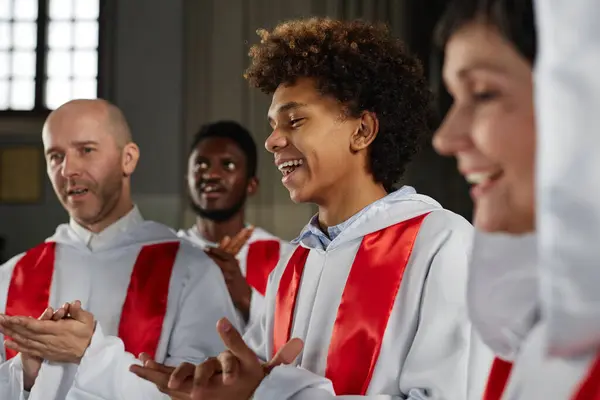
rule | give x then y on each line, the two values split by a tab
171	66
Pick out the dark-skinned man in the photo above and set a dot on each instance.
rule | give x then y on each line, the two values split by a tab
221	175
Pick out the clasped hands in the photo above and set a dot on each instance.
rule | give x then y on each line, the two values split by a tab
232	375
61	335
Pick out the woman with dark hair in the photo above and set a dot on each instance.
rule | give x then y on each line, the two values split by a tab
490	50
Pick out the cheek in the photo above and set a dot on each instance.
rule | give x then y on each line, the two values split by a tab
499	136
191	182
55	177
327	149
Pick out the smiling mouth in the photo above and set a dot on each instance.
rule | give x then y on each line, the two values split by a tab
482	178
77	192
288	167
211	189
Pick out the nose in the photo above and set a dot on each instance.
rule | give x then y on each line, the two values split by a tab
453	135
276	141
212	172
71	166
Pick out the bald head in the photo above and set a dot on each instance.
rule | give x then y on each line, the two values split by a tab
101	113
89	159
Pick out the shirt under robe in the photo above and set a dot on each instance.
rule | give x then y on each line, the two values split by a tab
429	349
96	269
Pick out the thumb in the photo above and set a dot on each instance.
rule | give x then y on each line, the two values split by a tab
286	355
235	343
79	314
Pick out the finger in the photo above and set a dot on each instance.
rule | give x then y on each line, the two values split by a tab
60	314
224	242
13	345
47	314
218	254
184	372
203	374
148	362
234	342
79	314
230	366
159	378
26	325
144	357
286	355
25	335
240	240
29	343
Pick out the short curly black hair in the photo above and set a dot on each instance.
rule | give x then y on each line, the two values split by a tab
362	66
514	19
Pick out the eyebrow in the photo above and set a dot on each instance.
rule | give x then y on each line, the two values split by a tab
464	72
287	107
77	143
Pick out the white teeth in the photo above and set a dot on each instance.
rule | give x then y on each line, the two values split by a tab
479	177
291	163
78	191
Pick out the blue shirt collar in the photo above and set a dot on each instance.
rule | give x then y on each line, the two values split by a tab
313	237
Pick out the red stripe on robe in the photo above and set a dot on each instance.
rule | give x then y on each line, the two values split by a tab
29	290
365	307
497	379
590	387
588	390
262	258
145	304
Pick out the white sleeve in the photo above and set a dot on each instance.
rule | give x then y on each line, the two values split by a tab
257	306
295	383
11	379
11	371
447	360
567	96
256	334
104	370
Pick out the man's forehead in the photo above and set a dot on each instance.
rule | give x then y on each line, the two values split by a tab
287	97
74	135
218	146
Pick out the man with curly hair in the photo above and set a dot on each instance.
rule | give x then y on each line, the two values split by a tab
375	288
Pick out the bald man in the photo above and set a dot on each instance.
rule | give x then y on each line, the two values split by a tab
132	286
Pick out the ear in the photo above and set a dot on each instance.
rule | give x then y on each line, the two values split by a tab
366	132
252	186
131	155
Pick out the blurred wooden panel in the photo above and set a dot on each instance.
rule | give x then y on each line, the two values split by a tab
21	174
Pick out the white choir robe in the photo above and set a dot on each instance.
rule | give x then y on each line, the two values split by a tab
257	301
556	358
538	375
503	290
96	269
429	349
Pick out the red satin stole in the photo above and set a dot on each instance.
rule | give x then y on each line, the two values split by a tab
590	387
497	379
365	307
500	372
145	304
262	258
